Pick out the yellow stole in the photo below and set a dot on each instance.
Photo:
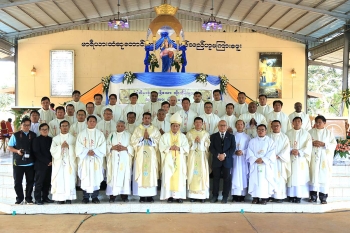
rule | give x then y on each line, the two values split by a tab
174	180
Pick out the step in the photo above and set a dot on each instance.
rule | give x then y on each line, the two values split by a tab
6	178
6	168
339	192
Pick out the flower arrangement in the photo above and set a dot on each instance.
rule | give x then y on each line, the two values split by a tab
346	97
153	61
105	82
223	83
342	148
177	61
129	77
201	78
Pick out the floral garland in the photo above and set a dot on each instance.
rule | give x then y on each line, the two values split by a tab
343	148
201	78
177	61
153	61
129	77
105	82
223	83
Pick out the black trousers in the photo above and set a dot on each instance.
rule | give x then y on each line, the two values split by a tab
226	176
42	183
18	172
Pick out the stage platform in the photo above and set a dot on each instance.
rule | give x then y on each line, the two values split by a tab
339	200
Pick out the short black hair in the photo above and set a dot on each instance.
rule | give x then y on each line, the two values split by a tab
230	104
240	120
198	119
197	92
242	93
91	116
262	125
263	95
108	110
208	103
44	124
134	94
98	95
70	105
276	102
75	92
52	105
296	118
184	99
217	90
165	102
114	95
275	121
130	113
154	92
89	103
34	111
26	119
45	98
146	114
81	110
60	108
320	117
64	121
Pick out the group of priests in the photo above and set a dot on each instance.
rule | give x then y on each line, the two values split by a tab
255	149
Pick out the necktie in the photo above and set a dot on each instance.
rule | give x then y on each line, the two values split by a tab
222	136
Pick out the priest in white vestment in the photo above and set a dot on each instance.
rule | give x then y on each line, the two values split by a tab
133	107
198	105
298	113
130	125
76	101
107	125
34	125
252	119
173	105
240	170
187	116
210	120
64	167
300	153
145	141
166	107
70	114
282	168
323	146
80	125
241	107
152	106
116	109
263	108
277	114
90	149
46	114
219	106
119	163
174	148
261	156
161	123
198	162
230	118
98	104
54	125
90	111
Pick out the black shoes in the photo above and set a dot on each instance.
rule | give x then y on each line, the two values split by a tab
313	196
39	203
170	200
95	200
264	201
193	200
142	199
180	200
60	202
48	200
29	202
224	200
214	199
18	202
85	200
202	200
68	202
279	200
255	201
150	199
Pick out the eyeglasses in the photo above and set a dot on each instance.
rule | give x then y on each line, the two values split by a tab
26	125
44	129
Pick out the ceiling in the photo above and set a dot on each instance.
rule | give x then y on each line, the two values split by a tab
307	21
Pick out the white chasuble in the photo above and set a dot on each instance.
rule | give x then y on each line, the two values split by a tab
146	161
198	165
264	110
164	125
174	169
322	160
197	107
95	115
90	169
240	109
251	129
282	168
98	109
136	108
240	170
77	127
187	120
210	123
282	117
174	109
71	119
219	108
231	122
46	115
116	110
107	127
54	125
261	176
130	127
64	168
119	164
305	119
297	185
152	107
77	105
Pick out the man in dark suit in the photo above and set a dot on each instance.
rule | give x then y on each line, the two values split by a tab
222	147
43	165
